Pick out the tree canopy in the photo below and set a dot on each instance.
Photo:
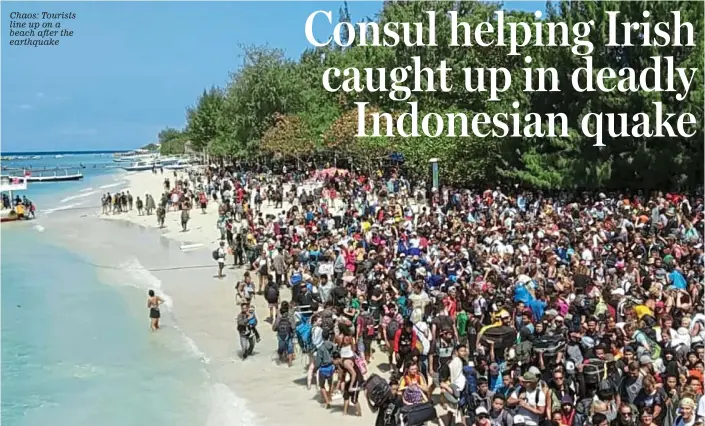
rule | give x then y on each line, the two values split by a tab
275	105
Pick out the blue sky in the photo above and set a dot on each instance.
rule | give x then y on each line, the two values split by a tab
132	68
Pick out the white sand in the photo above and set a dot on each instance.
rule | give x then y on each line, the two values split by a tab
206	312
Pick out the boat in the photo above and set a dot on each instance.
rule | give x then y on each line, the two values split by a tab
8	184
179	165
140	166
58	156
133	156
166	161
51	175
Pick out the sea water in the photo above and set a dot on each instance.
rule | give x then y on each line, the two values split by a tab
76	345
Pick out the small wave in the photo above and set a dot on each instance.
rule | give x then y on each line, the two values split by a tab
228	409
111	185
77	196
141	278
39	228
192	346
86	190
56	209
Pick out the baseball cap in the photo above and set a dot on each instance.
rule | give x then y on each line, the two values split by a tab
519	419
481	410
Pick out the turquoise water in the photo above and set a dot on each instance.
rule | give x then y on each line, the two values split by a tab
76	346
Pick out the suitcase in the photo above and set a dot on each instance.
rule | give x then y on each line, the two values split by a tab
377	390
417	415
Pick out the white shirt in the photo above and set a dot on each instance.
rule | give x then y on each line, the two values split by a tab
534	401
456	373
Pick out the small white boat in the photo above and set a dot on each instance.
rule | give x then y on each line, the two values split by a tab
58	156
167	161
139	166
179	165
8	184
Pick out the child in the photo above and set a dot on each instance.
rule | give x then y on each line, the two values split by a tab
252	323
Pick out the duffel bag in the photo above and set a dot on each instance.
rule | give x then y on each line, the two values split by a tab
549	345
377	390
594	371
416	415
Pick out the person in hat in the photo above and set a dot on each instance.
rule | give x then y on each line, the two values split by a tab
529	400
482	417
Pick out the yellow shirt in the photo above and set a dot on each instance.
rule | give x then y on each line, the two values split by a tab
19	209
641	310
365	226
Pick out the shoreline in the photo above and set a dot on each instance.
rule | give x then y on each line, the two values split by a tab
207	317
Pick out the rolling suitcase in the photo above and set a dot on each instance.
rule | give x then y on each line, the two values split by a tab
417	415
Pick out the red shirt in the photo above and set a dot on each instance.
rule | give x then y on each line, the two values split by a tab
397	337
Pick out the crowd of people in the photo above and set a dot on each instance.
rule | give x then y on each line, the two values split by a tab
501	307
22	207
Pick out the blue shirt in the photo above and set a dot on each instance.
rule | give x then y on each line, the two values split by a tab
677	280
521	294
537	308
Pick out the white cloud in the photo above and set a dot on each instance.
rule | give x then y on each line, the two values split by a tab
25	106
39	95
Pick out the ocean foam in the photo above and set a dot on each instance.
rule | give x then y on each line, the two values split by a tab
56	209
80	195
39	228
141	278
228	409
86	190
112	185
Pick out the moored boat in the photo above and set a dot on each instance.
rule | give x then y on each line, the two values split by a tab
140	166
51	175
179	165
11	213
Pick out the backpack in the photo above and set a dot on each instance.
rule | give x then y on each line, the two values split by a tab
284	328
272	294
296	278
470	386
523	352
655	348
303	334
462	323
392	329
216	254
369	325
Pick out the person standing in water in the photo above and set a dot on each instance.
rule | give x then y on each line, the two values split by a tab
153	302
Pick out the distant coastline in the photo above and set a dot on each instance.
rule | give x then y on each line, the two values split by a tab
62	152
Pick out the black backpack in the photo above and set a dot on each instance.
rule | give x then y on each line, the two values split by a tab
284	328
216	254
272	294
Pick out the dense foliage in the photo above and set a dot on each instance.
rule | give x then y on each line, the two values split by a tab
273	105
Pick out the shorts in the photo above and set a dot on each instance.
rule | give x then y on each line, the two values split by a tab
351	396
285	346
367	342
325	376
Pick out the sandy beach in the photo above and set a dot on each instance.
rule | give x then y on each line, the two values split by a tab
203	307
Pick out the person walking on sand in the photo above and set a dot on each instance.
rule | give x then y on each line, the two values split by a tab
140	206
184	220
153	302
219	256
